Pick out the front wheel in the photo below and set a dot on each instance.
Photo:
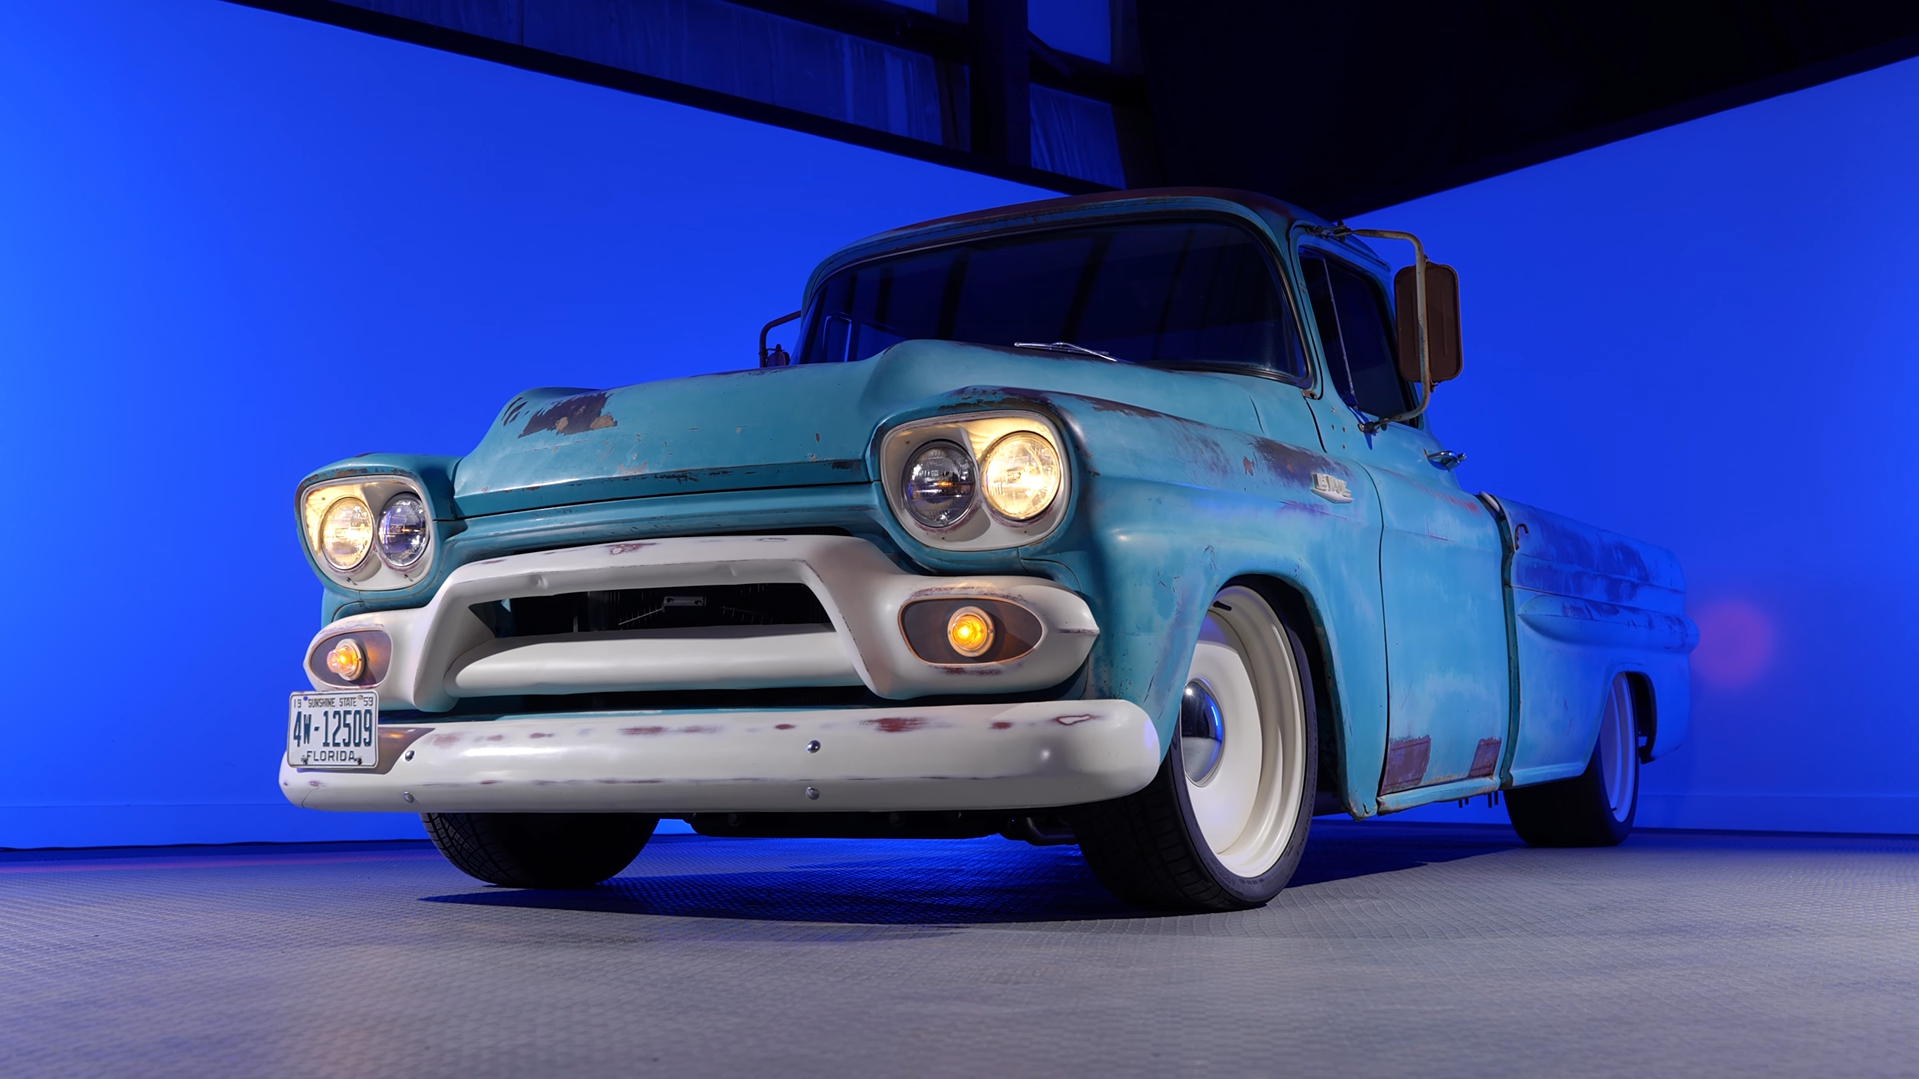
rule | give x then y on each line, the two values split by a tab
539	850
1222	826
1596	807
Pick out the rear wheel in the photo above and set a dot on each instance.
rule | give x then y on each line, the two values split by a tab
1222	826
539	850
1596	807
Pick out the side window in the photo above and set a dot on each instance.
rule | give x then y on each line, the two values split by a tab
1356	336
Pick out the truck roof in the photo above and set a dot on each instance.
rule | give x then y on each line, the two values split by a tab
1062	211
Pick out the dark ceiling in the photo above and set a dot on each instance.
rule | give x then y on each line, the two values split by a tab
1340	107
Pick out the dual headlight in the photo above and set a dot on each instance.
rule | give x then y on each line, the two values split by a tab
1019	476
348	532
360	544
984	481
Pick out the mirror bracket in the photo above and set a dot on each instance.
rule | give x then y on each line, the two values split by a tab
779	357
1426	382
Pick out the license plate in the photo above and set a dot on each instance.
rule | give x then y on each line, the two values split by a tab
333	730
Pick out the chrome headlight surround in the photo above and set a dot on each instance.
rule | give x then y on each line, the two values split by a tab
984	527
376	570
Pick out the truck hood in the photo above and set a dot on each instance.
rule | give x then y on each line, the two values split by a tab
776	427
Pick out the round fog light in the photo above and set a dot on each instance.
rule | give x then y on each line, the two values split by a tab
970	632
347	659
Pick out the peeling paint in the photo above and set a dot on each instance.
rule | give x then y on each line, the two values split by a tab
571	416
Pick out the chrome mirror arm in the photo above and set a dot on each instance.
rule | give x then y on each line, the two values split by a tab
768	328
1340	232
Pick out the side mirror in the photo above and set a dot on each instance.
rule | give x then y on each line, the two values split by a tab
1442	322
779	357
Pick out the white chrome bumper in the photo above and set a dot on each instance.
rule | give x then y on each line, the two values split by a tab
442	652
971	756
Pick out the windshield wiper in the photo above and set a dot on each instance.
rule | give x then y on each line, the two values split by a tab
1068	346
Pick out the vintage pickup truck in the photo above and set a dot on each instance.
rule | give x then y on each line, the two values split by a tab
1116	520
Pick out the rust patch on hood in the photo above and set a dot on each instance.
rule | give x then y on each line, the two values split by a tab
571	416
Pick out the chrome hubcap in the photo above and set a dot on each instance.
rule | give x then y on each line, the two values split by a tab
1202	732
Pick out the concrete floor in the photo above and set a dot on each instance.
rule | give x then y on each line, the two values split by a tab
1401	949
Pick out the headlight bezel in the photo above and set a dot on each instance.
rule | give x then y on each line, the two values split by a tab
373	573
984	527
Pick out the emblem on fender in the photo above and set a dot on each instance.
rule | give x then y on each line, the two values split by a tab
1331	488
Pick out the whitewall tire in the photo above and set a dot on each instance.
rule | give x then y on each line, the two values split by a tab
1222	826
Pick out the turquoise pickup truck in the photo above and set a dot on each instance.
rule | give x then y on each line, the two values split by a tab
1116	520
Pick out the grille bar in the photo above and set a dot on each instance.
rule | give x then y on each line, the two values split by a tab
686	607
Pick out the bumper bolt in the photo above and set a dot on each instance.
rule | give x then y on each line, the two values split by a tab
813	746
406	796
409	754
811	792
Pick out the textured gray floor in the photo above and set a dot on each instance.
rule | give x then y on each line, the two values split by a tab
1401	950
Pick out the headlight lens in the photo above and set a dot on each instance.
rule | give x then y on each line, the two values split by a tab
346	534
939	485
1022	474
404	531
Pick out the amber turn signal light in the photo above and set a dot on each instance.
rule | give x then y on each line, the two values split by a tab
346	659
970	632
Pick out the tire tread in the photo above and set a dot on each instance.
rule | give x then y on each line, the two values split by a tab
539	850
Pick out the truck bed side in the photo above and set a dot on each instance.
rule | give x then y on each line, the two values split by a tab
1586	605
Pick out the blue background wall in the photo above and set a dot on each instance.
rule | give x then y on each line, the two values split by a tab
234	246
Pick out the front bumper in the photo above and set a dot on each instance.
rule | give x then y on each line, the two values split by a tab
953	757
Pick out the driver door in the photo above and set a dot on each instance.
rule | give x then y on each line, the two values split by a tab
1440	560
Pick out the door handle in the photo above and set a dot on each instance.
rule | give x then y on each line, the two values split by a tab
1446	459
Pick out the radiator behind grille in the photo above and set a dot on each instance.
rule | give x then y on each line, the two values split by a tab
654	608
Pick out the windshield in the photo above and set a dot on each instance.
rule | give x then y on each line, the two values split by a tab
1176	293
